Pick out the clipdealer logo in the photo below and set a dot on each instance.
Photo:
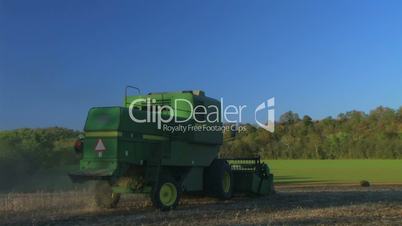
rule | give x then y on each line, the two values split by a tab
232	114
270	110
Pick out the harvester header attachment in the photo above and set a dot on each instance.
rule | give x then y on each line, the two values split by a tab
250	175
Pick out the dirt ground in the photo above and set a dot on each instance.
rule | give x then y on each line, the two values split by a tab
376	205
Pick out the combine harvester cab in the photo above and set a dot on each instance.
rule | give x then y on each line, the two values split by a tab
127	156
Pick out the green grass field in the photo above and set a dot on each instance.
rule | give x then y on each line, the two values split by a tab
336	171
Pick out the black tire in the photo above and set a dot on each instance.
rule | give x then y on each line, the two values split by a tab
104	195
165	195
215	182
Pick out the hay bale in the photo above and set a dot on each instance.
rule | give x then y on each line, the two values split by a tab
364	183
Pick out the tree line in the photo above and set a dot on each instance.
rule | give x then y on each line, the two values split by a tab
351	135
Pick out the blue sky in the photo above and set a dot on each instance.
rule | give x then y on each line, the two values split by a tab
59	58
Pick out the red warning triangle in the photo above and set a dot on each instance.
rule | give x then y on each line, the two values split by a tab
100	147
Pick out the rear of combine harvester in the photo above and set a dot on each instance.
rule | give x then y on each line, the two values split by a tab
124	156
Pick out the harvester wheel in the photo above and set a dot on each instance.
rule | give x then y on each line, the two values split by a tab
219	179
104	195
166	194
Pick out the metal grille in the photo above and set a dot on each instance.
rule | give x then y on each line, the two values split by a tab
246	165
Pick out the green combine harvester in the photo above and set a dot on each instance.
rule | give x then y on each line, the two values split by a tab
125	156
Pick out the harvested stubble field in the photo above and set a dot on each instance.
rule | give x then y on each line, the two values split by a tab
291	205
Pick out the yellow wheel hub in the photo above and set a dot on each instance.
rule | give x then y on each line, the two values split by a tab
168	194
226	182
